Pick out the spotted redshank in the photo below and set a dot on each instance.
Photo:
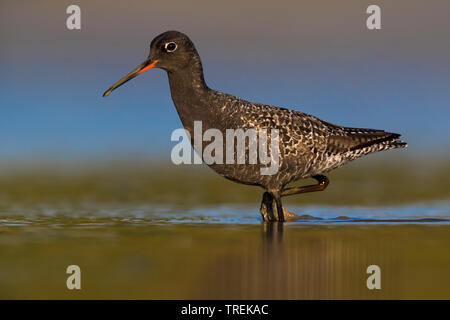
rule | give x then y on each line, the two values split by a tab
308	146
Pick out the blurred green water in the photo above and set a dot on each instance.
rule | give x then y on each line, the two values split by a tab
165	232
374	181
126	260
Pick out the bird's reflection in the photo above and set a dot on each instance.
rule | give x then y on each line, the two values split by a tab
272	233
298	261
273	259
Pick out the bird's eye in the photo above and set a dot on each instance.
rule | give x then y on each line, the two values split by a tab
170	46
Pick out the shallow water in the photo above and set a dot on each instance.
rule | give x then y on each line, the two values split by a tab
133	250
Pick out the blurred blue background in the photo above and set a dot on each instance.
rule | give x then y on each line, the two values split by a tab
315	57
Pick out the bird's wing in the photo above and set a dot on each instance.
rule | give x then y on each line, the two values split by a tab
323	136
313	133
343	139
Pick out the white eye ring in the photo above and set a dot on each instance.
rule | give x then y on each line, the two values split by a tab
170	46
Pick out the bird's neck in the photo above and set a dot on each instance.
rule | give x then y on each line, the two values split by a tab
188	81
189	91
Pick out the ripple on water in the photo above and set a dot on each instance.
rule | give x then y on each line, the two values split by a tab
91	215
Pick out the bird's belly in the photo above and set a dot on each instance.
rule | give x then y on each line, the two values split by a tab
241	173
289	170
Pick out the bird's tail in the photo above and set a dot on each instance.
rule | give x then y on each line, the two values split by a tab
377	141
361	142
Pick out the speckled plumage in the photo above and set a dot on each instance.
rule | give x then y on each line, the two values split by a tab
308	146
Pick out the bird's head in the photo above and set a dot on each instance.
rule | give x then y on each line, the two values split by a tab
171	51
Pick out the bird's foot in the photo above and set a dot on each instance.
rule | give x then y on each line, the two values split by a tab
269	211
290	216
267	208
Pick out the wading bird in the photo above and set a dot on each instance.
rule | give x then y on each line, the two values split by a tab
308	146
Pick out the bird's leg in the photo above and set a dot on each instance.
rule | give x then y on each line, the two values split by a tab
287	215
280	212
322	184
267	207
268	211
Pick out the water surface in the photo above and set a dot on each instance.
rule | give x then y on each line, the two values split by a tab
132	250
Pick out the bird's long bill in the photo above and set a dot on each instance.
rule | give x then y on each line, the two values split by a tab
148	64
